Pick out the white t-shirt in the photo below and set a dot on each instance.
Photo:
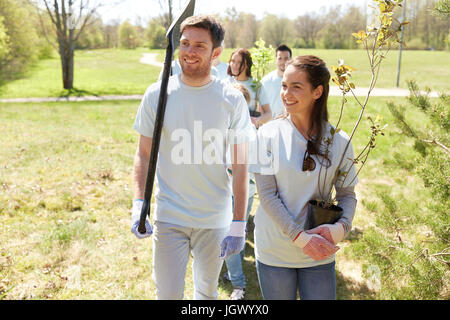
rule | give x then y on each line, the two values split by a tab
248	84
285	148
193	188
220	71
270	93
229	80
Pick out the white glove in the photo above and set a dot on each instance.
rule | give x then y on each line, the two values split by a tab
135	217
234	242
237	228
331	232
315	246
303	238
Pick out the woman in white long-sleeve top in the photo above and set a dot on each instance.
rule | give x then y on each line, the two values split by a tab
289	258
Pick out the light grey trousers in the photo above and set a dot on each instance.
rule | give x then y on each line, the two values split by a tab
172	245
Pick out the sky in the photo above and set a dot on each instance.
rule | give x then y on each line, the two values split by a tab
145	9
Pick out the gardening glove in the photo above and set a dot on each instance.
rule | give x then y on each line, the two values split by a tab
332	232
135	217
235	240
315	246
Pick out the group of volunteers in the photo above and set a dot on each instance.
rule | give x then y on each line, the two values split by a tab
202	207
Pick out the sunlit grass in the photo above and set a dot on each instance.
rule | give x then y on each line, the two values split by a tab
119	72
65	201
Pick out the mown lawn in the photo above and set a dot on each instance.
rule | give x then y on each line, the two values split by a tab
65	200
430	68
97	72
118	71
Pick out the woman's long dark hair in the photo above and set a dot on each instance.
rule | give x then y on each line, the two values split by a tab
246	62
318	75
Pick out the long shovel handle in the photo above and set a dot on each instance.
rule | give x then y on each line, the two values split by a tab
156	138
173	35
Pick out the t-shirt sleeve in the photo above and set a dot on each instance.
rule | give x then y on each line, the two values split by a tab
240	130
146	115
266	154
264	94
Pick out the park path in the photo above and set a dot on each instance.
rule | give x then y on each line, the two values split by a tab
334	91
151	59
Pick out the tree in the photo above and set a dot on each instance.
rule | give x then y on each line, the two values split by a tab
232	26
307	28
156	35
17	36
442	8
92	37
167	9
248	32
4	40
111	35
428	30
69	19
128	37
275	30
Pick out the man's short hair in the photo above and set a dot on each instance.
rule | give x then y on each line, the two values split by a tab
209	23
283	47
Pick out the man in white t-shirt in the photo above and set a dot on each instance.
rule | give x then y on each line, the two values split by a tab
271	83
193	211
219	69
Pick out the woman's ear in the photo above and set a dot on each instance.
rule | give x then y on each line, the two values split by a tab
318	91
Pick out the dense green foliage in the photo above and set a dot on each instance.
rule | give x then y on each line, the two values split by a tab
17	38
409	241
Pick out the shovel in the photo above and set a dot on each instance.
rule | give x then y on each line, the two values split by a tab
173	39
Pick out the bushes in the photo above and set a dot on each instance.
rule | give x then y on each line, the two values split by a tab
17	38
128	37
156	35
409	241
416	44
4	40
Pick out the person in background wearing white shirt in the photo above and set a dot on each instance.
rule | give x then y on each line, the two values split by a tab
271	83
219	68
290	259
240	70
235	273
193	212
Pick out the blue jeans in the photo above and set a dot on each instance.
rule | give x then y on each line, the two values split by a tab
313	283
234	262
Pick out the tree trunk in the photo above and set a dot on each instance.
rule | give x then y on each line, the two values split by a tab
67	62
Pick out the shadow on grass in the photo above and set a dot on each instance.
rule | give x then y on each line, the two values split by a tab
346	288
74	92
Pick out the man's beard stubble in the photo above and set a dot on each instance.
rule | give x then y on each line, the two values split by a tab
201	72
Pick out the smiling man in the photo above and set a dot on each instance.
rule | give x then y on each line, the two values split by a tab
271	83
193	210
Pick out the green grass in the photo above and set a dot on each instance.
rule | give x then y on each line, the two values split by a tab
65	200
431	68
97	72
118	71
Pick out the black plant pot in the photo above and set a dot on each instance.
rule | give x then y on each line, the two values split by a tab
318	215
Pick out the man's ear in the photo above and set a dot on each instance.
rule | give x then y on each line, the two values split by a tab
217	52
